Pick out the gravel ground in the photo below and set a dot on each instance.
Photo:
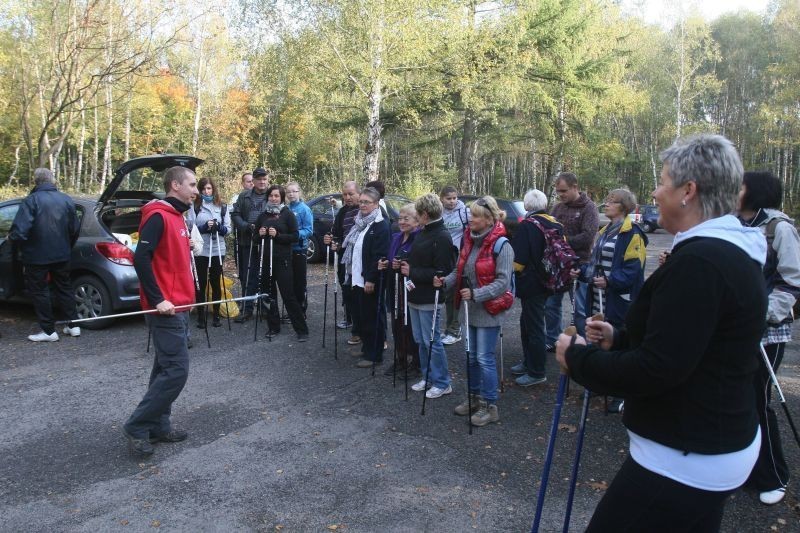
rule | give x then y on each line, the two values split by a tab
285	438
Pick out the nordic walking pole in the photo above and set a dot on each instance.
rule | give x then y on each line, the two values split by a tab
405	325
573	480
551	443
378	315
325	305
222	279
249	265
335	303
774	379
572	316
430	343
394	328
465	285
193	265
273	302
258	302
502	385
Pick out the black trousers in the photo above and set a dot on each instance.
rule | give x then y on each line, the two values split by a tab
299	281
39	290
640	500
371	320
282	280
347	299
211	276
532	331
771	471
169	374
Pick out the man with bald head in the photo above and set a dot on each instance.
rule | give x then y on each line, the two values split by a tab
342	224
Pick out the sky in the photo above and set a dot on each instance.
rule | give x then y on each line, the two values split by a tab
656	11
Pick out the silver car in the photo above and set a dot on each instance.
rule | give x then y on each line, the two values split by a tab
102	270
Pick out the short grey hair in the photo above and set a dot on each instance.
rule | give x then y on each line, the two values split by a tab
534	200
177	174
429	204
713	163
43	175
626	199
373	193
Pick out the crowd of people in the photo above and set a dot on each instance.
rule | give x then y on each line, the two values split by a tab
678	353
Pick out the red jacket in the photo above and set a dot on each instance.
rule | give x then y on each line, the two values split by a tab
172	260
485	265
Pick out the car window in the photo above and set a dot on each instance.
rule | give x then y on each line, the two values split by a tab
142	179
323	208
7	214
520	207
396	202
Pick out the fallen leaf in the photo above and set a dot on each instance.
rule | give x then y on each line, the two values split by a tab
598	485
333	527
569	427
123	522
781	521
155	523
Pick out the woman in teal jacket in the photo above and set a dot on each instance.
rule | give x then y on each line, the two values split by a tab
305	228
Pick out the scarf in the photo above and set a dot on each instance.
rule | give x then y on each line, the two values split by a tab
360	224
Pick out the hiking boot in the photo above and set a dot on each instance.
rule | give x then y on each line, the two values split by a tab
344	324
449	339
462	409
175	435
549	348
365	363
273	333
244	317
355	339
436	392
43	337
419	386
216	322
302	337
519	370
140	447
528	380
486	415
72	332
616	405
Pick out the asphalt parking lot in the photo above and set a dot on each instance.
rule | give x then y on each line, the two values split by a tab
283	437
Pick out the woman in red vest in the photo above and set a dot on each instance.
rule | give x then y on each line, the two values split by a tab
482	279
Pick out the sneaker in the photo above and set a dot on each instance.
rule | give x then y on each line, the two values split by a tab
450	339
366	363
462	409
140	447
175	435
355	339
436	392
616	405
771	497
528	381
216	322
420	386
344	324
302	337
550	348
72	332
273	333
519	370
487	414
43	337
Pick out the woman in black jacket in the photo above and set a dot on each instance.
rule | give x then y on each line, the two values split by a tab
277	225
687	360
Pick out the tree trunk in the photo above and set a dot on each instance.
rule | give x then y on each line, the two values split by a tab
372	153
81	144
106	174
466	158
128	128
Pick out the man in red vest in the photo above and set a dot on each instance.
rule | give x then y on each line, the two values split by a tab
163	263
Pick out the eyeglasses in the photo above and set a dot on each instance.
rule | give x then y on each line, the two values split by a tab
365	202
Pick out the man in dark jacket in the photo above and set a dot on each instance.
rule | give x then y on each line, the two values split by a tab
46	228
342	223
248	207
579	216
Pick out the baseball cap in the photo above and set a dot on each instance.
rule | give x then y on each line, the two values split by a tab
260	171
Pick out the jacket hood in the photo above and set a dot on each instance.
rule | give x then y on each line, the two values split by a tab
158	205
728	228
47	186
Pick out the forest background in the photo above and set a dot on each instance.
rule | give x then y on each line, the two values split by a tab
494	97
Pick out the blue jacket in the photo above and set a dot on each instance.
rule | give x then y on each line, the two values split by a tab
46	226
305	224
626	274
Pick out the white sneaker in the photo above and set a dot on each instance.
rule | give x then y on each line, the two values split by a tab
420	386
43	337
450	339
72	332
772	497
436	392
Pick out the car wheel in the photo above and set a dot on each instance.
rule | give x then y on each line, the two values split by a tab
314	251
91	300
647	227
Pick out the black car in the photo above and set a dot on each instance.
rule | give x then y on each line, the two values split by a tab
649	220
515	211
324	211
103	276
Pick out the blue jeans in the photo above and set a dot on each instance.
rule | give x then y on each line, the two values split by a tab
482	364
421	322
553	313
531	329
